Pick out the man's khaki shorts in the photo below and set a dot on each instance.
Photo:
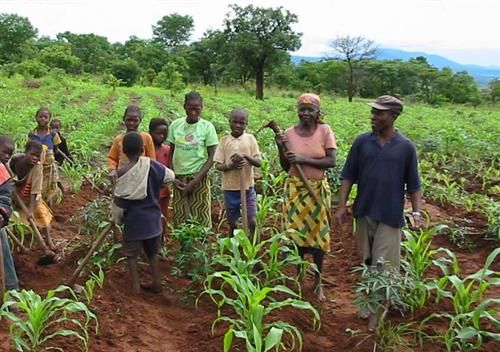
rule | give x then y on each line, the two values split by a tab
377	240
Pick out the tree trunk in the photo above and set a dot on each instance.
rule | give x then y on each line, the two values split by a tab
350	84
259	83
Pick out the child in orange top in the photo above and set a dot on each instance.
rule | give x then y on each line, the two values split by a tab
158	129
132	119
29	179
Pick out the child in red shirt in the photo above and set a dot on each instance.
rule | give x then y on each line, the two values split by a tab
158	129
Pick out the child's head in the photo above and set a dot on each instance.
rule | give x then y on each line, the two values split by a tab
238	121
133	144
132	118
193	105
43	116
158	129
55	124
33	152
6	148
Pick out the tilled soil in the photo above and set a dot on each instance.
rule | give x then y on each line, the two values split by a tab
171	321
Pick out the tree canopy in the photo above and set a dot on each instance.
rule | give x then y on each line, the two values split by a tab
259	37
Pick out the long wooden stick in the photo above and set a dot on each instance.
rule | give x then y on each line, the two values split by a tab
274	126
16	240
2	273
95	246
49	254
243	198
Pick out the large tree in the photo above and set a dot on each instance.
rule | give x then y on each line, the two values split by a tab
173	30
353	50
94	51
259	36
15	33
208	57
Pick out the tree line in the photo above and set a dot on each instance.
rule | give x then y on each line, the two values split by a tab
252	47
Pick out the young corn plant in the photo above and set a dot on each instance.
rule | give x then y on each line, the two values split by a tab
418	256
266	259
37	321
91	283
381	287
252	304
472	316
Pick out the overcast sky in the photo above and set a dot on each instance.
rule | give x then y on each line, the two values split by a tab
466	31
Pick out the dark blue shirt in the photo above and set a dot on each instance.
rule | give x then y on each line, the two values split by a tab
382	174
142	218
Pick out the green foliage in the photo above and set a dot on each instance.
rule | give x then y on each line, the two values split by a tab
494	89
173	30
127	70
472	315
59	55
94	51
253	272
381	287
15	34
32	68
44	319
259	37
90	284
418	256
193	258
169	77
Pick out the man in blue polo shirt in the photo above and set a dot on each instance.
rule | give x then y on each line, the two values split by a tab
383	163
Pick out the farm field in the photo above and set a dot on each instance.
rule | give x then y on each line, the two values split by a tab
459	159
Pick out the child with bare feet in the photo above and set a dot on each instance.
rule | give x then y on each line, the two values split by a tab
28	171
136	205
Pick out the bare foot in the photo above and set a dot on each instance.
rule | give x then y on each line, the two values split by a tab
372	322
319	292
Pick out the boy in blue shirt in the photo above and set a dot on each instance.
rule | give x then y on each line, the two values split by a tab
136	205
6	150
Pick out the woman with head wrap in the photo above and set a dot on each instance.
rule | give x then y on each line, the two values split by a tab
310	144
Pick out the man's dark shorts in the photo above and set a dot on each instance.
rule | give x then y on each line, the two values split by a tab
133	248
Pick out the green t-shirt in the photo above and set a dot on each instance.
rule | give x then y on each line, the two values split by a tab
191	141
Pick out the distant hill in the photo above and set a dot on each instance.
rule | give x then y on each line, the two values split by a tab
481	74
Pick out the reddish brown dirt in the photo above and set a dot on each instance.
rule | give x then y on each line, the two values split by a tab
167	322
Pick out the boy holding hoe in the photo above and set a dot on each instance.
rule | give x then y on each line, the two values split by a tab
136	205
236	156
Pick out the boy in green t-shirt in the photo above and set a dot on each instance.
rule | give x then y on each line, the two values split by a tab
193	141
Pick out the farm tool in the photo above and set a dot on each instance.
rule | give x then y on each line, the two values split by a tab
277	131
243	198
16	240
2	273
92	184
48	256
95	246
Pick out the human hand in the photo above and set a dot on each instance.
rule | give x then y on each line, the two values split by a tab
191	186
341	214
280	139
294	158
415	220
179	184
111	175
238	160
